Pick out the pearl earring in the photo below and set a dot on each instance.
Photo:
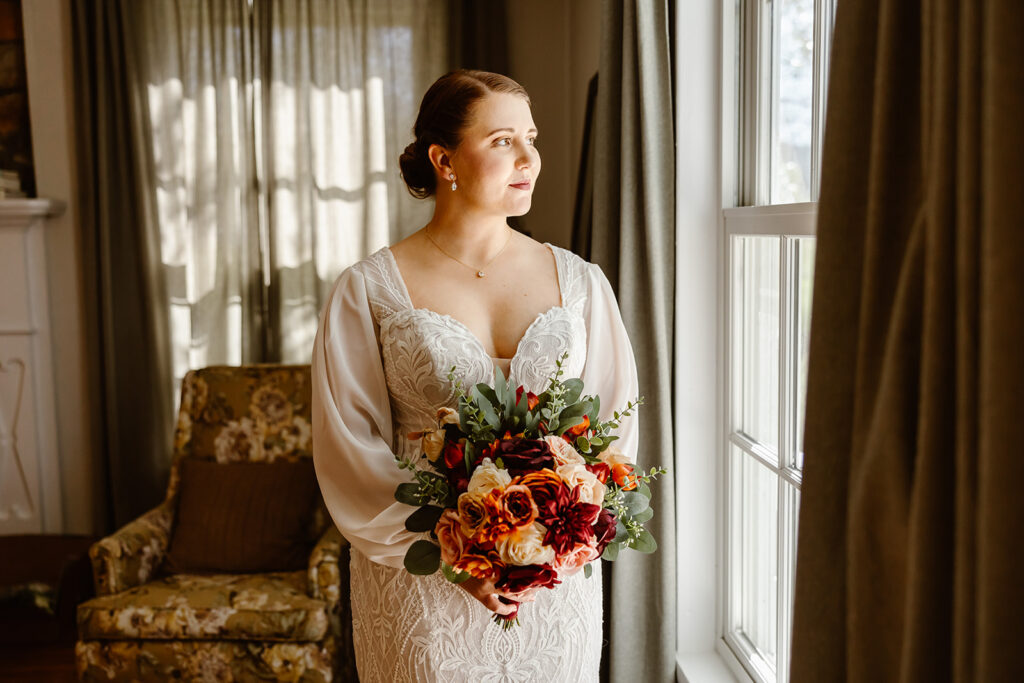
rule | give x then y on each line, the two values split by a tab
451	177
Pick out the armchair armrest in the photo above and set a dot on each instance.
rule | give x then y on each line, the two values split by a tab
328	569
328	581
130	556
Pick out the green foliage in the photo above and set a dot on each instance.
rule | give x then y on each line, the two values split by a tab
423	558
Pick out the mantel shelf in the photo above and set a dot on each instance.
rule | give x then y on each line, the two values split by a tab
19	213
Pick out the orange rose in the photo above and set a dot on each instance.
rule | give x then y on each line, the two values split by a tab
517	506
543	484
449	535
497	526
483	564
580	428
621	469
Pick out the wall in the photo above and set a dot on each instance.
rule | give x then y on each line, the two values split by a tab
554	47
47	25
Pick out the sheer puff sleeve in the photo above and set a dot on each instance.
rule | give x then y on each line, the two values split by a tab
352	427
610	368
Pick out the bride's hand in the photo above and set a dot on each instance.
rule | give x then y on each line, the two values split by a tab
490	597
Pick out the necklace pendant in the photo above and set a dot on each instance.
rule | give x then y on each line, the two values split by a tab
480	273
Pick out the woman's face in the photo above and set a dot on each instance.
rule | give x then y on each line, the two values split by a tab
497	163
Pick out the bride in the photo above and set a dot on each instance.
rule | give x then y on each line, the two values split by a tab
466	290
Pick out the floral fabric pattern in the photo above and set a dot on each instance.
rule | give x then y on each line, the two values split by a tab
271	606
204	660
149	625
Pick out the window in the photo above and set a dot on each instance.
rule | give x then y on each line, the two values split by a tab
779	73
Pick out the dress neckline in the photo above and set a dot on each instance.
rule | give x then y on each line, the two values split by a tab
408	302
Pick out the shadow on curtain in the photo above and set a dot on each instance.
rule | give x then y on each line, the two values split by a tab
909	567
625	223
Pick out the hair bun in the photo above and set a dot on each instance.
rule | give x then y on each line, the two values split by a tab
417	171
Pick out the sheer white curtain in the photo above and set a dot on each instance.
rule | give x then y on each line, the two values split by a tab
276	129
344	81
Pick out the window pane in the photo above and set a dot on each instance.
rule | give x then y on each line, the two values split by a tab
805	287
792	101
755	524
756	342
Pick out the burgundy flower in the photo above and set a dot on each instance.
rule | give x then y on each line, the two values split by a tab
604	529
516	579
519	455
568	521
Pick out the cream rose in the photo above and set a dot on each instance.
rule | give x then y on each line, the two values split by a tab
526	546
447	416
563	451
613	456
488	476
591	488
433	443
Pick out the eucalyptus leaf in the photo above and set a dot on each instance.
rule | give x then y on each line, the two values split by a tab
424	519
644	490
611	552
583	444
636	502
621	532
452	575
588	570
423	557
644	543
408	493
644	516
574	387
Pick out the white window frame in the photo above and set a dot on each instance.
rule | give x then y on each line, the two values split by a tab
709	187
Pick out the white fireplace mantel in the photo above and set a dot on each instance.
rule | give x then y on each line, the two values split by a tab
30	483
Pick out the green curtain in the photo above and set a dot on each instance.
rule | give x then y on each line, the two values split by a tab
625	222
908	563
127	331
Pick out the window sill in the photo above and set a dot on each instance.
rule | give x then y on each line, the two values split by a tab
712	666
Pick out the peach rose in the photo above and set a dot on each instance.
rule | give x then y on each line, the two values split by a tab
573	561
563	451
591	489
449	535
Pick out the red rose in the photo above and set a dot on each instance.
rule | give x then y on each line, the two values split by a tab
517	579
601	471
454	454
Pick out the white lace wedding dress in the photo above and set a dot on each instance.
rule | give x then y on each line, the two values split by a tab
380	371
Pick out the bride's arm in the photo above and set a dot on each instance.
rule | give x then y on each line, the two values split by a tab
610	369
352	428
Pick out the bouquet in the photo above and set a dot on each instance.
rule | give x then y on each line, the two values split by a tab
523	489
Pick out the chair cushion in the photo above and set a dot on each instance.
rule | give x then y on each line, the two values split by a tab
243	517
271	606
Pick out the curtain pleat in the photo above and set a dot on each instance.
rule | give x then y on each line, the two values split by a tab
631	235
907	566
126	323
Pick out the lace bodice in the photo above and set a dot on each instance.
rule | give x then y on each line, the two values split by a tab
380	370
419	346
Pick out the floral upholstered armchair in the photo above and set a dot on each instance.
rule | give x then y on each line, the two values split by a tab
151	623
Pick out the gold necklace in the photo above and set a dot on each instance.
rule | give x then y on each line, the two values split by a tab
479	271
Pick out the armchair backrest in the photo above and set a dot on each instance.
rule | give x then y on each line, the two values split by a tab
258	413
